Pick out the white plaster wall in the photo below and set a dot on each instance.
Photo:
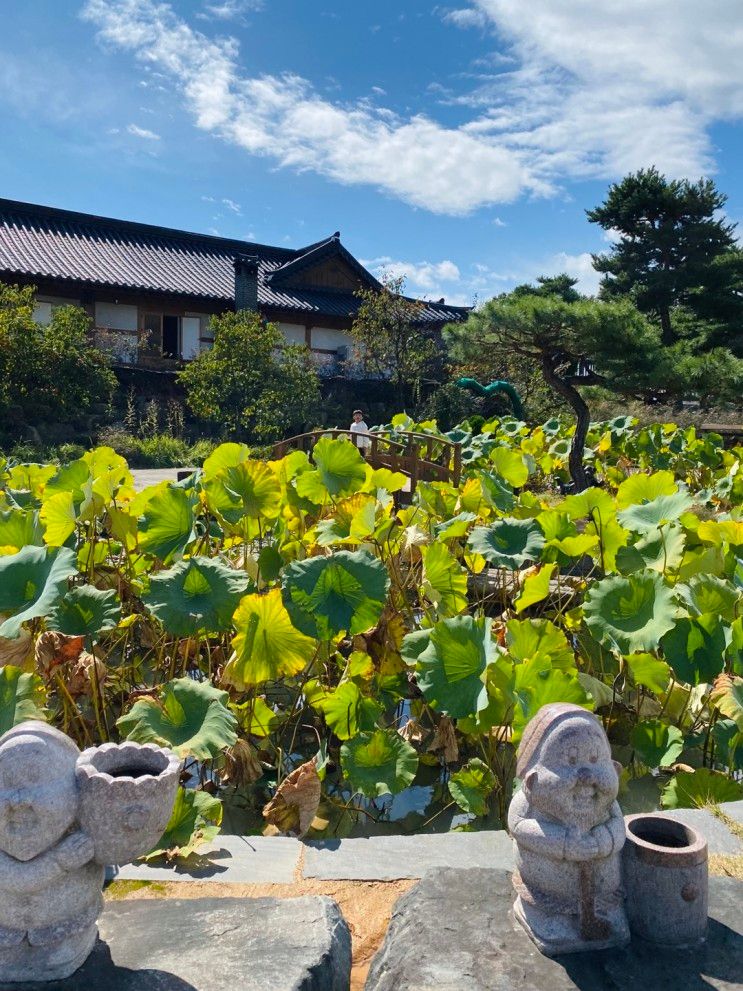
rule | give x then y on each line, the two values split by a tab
293	332
330	339
117	316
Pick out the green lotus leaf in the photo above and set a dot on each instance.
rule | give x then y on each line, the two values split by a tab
457	526
536	687
31	584
450	670
593	502
22	697
601	693
699	789
641	488
508	542
73	478
661	549
471	787
346	710
224	456
444	580
695	649
59	517
195	819
658	513
30	478
379	763
541	641
734	652
495	492
648	671
353	521
340	470
166	526
267	646
659	744
631	613
198	595
342	593
18	528
249	489
535	589
709	594
190	717
510	466
85	611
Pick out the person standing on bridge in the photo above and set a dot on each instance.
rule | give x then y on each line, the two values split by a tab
360	427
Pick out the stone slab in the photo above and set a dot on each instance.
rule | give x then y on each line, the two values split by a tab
208	944
718	836
455	930
389	858
231	859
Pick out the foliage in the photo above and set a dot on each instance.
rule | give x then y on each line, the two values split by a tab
268	617
390	338
251	384
673	253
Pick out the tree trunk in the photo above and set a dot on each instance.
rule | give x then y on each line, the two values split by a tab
582	422
667	335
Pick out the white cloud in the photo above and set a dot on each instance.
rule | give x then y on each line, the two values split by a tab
420	276
497	222
231	205
446	170
464	17
142	132
576	90
230	10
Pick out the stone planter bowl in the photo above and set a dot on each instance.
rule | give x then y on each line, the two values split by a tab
664	867
127	791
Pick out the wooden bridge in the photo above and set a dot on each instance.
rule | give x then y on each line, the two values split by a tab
422	457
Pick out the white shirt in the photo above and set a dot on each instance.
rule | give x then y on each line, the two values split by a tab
361	442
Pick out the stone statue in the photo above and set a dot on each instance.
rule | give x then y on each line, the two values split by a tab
63	816
568	831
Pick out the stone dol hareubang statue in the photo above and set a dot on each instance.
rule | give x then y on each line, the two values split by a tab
568	831
63	816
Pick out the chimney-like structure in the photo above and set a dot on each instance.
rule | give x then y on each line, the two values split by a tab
246	282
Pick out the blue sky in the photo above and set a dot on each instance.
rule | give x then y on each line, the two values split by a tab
458	144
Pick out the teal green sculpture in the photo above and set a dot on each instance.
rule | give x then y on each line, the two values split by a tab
489	390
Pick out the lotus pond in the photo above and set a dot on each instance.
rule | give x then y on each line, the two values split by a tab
331	661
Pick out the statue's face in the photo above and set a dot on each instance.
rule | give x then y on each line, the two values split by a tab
38	796
575	781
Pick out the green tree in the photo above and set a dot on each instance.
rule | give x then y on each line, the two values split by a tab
252	383
48	374
390	338
673	251
580	342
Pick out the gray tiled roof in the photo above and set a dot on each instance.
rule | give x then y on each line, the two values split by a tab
47	243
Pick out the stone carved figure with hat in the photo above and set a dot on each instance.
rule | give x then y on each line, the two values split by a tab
568	832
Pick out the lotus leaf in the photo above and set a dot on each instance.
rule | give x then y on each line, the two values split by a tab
700	788
342	593
649	672
660	550
166	526
592	502
190	717
379	763
471	787
340	470
536	687
444	580
85	611
198	595
353	521
658	513
224	456
659	744
346	710
710	594
508	542
249	489
22	697
535	589
451	668
541	641
727	696
267	646
31	584
18	528
695	649
632	613
641	488
195	819
59	517
510	466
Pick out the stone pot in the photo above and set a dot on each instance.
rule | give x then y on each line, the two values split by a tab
664	867
127	792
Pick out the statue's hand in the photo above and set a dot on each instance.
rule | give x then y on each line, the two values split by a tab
604	840
581	846
75	851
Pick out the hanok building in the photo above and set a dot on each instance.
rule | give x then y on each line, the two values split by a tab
151	291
